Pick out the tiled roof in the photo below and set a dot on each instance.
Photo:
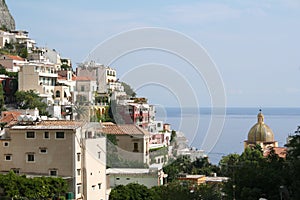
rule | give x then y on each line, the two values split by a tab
122	129
15	57
84	78
52	124
10	117
280	151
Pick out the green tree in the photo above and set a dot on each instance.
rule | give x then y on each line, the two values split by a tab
129	91
20	187
30	100
293	162
252	175
132	191
81	112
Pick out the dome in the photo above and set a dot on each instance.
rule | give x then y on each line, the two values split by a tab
260	131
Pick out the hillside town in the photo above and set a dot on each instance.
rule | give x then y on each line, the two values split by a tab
94	132
76	131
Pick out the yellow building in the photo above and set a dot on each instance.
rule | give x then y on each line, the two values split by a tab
261	134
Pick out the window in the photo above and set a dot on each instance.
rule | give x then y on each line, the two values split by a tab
158	125
135	147
127	178
78	157
30	135
99	185
43	150
78	172
6	144
78	189
57	93
8	157
46	135
82	88
93	187
16	170
53	172
60	135
99	154
117	178
30	157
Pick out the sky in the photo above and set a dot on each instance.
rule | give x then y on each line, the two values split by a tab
254	44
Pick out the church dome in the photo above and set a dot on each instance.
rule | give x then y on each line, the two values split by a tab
260	131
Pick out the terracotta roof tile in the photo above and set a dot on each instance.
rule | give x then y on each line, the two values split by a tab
52	124
280	151
123	129
15	57
9	116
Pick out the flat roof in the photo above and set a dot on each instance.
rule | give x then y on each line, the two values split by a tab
50	124
128	171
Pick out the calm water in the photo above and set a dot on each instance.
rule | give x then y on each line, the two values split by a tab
238	121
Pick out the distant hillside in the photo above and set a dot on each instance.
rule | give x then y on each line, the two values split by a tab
7	21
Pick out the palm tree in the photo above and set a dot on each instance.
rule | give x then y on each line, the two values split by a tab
81	112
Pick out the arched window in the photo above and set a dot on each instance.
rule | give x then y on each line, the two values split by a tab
57	94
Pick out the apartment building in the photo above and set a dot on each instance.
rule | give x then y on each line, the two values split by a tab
68	149
132	141
106	77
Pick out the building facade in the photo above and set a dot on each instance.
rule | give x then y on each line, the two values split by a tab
67	149
132	141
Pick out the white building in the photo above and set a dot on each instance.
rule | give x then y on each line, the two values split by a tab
105	77
12	63
145	176
85	90
21	37
5	38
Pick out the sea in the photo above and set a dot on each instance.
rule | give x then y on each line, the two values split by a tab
221	133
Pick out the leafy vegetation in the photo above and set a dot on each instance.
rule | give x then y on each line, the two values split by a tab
171	191
130	192
20	187
128	90
184	165
30	100
15	48
253	176
9	74
114	160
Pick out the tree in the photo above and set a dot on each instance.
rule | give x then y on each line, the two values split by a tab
132	191
81	112
184	165
252	175
127	88
293	161
20	187
30	100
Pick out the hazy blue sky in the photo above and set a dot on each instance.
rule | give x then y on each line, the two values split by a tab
255	44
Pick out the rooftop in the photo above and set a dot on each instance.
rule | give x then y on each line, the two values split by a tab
129	171
51	124
122	129
12	57
280	151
